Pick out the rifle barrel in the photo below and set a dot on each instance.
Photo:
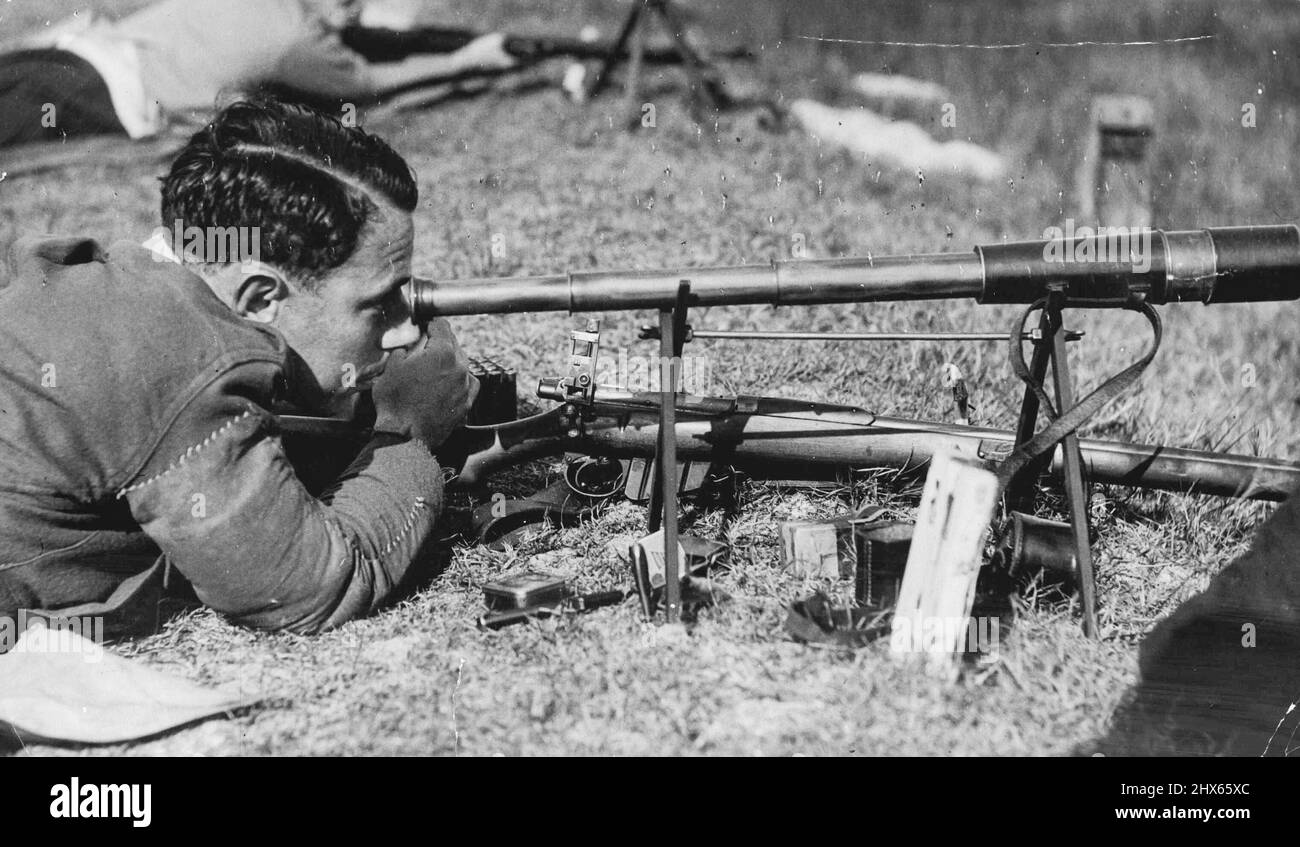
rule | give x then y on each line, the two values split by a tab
1111	269
774	443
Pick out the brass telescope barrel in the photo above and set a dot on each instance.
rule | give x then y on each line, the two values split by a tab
1115	268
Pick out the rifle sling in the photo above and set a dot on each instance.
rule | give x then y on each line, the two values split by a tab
1071	419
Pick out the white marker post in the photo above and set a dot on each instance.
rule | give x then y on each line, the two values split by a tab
934	602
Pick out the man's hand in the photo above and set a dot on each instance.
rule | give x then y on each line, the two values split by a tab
425	392
487	52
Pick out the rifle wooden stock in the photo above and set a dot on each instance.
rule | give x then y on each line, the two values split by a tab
770	437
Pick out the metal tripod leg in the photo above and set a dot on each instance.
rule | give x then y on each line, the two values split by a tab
663	497
700	71
1050	348
1075	494
601	78
1020	494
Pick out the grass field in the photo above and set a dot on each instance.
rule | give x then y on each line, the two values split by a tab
564	187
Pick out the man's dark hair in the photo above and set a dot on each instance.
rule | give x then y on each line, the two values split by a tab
301	177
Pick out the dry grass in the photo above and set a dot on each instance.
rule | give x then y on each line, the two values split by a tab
567	189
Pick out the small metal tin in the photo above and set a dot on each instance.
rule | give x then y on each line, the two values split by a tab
525	590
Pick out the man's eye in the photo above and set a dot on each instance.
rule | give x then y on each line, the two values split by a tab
387	308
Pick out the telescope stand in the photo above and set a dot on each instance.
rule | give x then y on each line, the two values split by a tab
663	495
704	77
1049	347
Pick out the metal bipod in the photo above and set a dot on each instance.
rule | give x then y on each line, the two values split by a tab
1049	347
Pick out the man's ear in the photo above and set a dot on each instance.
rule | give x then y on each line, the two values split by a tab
261	291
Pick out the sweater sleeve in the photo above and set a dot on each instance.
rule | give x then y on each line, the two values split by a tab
221	499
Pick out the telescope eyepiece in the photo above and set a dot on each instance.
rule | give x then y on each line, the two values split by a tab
420	299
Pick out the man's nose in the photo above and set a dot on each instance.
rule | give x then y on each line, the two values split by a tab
402	335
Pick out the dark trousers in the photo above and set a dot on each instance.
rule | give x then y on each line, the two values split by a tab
50	95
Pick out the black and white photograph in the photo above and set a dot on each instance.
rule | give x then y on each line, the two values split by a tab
650	378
